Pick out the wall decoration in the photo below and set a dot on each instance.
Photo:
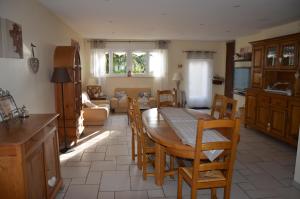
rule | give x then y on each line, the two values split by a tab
11	43
33	61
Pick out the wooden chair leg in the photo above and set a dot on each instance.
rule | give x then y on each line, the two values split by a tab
179	186
144	169
139	154
172	160
213	193
227	190
132	145
193	192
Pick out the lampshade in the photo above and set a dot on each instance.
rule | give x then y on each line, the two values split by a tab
177	76
60	75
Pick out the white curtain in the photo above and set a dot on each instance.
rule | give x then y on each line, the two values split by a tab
158	68
198	79
97	63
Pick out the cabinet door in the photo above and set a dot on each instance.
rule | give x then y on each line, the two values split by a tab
262	118
294	121
257	65
250	111
36	175
51	161
271	56
277	121
288	55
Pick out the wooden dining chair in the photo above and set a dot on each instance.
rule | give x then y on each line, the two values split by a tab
146	145
218	173
218	106
133	129
166	98
230	108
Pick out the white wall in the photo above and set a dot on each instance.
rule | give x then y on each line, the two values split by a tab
175	57
45	30
277	31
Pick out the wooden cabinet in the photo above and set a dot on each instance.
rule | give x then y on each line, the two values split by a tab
293	120
68	57
250	109
275	68
273	114
257	57
29	159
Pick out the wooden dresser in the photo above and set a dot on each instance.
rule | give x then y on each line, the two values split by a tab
275	61
29	158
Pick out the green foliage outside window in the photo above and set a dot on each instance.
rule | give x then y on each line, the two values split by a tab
139	62
119	63
107	63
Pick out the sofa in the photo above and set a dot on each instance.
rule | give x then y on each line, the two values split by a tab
94	113
119	102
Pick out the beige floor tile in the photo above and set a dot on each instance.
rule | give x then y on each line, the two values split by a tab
131	195
82	192
115	182
78	180
78	163
93	177
74	172
157	193
106	195
138	183
92	156
103	166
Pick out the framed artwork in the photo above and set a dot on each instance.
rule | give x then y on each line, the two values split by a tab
11	42
8	107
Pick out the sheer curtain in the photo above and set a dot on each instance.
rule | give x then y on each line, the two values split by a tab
97	62
158	68
198	79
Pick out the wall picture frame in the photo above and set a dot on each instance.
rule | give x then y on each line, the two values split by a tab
11	41
8	107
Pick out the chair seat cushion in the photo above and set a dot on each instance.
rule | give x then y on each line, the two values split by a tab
205	176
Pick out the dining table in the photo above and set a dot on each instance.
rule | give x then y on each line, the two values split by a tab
166	140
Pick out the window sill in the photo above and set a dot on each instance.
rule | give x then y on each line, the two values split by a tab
132	76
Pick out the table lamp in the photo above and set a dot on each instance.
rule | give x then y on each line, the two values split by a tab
177	77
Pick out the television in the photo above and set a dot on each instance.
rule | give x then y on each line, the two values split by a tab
241	79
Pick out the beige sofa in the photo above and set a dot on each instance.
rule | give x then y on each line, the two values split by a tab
94	113
119	103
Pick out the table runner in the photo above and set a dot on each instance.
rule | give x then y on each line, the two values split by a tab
185	126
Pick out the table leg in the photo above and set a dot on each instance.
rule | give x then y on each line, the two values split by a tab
160	162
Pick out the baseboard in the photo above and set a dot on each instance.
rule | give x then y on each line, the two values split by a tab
296	184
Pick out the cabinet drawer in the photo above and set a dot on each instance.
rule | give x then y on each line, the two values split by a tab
263	100
278	102
38	138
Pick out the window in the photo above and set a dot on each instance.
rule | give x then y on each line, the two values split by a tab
119	63
139	62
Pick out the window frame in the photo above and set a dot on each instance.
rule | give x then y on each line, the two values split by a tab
129	63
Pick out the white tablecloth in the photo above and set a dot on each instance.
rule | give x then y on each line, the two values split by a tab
185	126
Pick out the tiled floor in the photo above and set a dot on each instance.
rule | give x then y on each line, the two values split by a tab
101	167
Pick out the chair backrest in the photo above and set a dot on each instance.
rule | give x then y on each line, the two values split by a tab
137	115
231	108
166	98
225	161
224	106
130	110
218	106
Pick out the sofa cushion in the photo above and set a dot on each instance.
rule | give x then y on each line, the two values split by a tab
120	94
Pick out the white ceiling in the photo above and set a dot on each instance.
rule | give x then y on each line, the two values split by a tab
172	19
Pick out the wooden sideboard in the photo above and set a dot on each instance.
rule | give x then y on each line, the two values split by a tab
275	61
29	158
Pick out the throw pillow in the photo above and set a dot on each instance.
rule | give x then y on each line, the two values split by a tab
120	94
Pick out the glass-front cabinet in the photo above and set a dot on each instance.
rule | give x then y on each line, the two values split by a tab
271	56
288	56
